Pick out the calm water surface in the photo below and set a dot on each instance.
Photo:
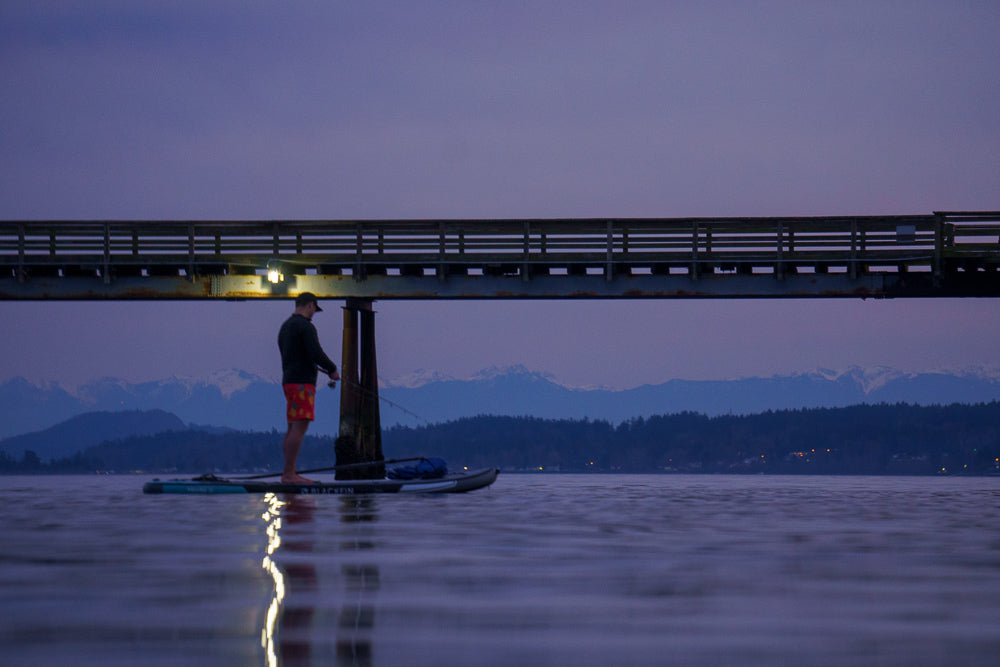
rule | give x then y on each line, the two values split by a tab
537	570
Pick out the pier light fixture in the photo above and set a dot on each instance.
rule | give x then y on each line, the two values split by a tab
274	274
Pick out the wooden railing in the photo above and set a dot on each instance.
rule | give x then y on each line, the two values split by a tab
853	244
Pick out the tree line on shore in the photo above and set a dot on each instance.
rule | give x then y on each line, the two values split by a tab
865	439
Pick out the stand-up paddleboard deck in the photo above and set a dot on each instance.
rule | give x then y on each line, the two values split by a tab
458	482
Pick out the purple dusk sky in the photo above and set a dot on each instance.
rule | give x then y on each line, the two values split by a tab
235	110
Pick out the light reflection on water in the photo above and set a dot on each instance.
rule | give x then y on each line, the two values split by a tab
538	570
288	634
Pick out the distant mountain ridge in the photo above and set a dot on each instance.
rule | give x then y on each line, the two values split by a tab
243	401
881	439
78	433
234	399
516	391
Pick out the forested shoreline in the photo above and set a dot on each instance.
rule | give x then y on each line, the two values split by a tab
866	439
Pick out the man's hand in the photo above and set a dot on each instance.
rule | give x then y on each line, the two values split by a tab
334	376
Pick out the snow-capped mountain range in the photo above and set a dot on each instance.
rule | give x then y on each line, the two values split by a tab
243	401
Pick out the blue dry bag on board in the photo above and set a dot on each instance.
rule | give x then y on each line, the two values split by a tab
425	469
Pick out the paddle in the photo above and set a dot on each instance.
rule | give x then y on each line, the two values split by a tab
343	466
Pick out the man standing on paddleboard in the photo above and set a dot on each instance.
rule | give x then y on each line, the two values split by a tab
301	354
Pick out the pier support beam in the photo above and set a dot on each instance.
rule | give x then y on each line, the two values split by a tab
360	438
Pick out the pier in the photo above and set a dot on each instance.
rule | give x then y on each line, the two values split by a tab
942	254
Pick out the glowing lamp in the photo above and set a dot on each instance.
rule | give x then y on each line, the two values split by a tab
274	274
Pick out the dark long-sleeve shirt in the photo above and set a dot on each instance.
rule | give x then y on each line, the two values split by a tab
301	352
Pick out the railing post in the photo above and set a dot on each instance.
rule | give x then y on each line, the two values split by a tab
442	269
526	247
862	237
359	247
21	272
693	273
791	248
853	268
938	246
609	269
779	267
107	254
190	275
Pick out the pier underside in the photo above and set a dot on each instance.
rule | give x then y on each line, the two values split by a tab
726	285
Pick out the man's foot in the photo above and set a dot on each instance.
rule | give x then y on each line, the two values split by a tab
296	479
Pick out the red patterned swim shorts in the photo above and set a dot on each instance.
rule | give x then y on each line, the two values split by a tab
301	401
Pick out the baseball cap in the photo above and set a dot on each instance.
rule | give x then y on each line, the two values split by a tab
305	298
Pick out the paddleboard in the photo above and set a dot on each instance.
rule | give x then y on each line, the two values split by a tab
456	482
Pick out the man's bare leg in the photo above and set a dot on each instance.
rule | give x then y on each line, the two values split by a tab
290	448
